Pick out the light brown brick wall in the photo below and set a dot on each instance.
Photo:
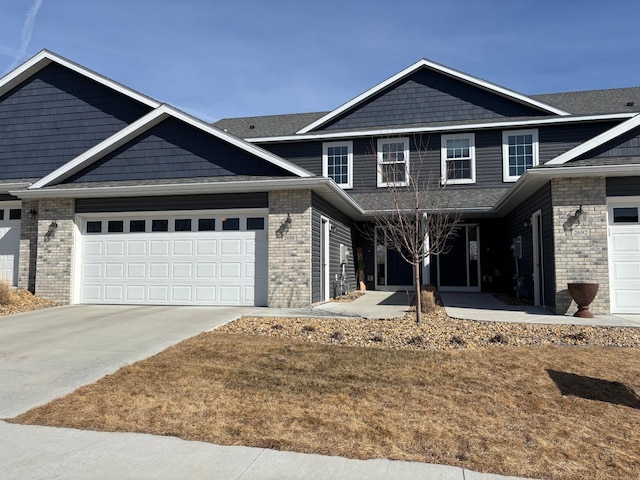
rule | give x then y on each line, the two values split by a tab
581	250
290	249
55	249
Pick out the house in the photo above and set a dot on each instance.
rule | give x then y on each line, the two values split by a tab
109	196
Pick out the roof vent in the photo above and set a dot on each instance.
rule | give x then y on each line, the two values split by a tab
251	127
630	104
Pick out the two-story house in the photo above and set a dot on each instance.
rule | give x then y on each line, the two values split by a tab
109	196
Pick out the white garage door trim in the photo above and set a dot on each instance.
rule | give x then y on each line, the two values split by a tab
172	258
624	254
10	214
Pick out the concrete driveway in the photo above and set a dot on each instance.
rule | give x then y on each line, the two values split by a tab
48	353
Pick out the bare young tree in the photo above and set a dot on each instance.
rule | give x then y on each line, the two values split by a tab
416	213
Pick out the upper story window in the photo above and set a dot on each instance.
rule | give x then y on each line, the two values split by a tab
519	153
337	162
393	162
458	158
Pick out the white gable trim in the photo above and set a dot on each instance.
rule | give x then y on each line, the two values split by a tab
596	141
147	122
447	128
45	57
439	68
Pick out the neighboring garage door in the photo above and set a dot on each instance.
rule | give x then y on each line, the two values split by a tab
624	257
203	259
9	242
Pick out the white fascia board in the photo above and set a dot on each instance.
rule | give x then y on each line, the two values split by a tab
7	187
103	148
45	57
446	128
532	179
320	184
442	69
596	141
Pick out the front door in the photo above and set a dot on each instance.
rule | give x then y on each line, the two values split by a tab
459	269
392	271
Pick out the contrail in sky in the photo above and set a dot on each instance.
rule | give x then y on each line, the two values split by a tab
27	32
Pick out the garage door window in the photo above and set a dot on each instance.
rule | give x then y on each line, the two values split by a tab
115	226
1	214
137	226
231	224
625	215
206	224
160	225
15	214
182	225
255	223
94	227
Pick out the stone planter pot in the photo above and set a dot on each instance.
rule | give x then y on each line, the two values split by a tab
583	294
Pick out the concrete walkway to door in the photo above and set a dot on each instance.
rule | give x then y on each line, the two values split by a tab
486	307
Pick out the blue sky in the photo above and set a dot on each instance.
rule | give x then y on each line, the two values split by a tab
218	58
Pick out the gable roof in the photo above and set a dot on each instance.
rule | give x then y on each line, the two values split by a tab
424	63
45	57
595	142
145	123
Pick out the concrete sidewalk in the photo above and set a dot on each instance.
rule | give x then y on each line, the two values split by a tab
53	453
486	307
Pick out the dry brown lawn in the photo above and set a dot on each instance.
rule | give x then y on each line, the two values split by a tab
560	412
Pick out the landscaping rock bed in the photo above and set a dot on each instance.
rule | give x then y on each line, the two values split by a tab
437	332
24	301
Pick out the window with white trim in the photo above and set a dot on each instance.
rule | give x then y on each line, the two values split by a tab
393	162
519	153
337	162
458	158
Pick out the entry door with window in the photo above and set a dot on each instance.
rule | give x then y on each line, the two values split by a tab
392	271
459	269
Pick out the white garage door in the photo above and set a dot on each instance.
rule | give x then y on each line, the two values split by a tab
199	260
9	242
624	258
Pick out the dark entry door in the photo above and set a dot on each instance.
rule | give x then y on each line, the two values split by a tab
459	269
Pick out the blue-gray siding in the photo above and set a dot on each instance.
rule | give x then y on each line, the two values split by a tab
56	115
623	186
425	154
516	221
428	96
626	145
179	202
174	149
341	233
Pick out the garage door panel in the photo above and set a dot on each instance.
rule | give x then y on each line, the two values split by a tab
136	247
202	268
230	247
624	263
135	294
114	270
114	248
183	247
159	248
622	243
626	270
158	270
136	270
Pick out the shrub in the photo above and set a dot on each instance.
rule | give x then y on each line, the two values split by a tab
428	301
337	335
5	293
308	328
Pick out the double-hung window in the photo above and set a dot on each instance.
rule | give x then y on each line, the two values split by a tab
337	162
519	153
458	158
393	162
